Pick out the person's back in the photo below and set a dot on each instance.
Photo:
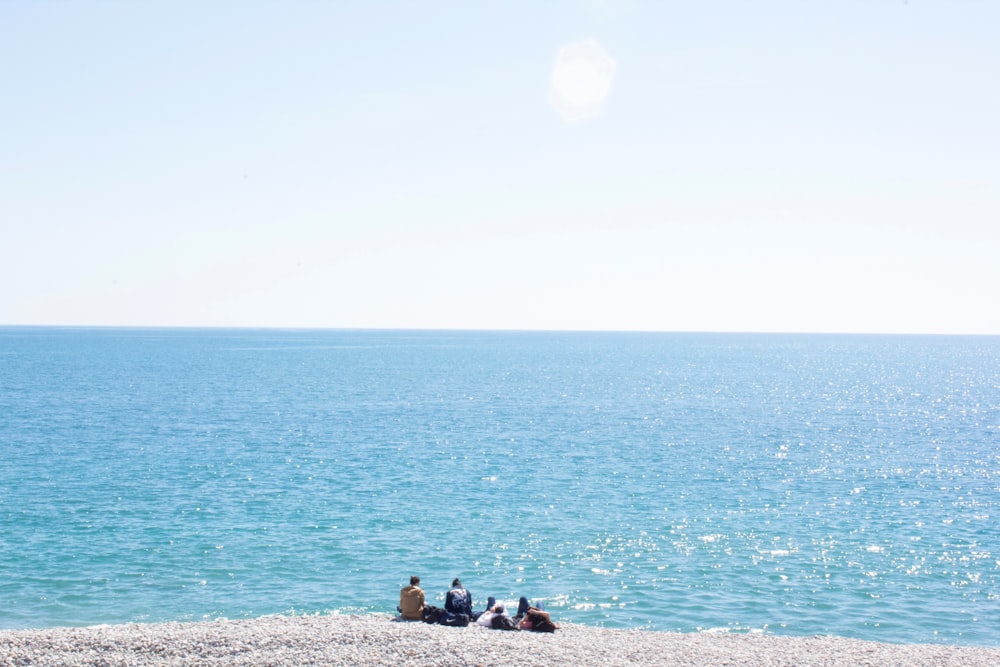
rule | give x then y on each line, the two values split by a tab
458	600
411	600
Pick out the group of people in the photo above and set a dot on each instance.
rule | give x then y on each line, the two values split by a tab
458	610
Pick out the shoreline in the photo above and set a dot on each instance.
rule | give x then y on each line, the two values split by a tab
379	639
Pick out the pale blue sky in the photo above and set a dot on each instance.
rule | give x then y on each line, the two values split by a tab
756	166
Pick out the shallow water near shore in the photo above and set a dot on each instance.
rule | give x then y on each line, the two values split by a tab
788	484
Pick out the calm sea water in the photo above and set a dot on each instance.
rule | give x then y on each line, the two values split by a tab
845	485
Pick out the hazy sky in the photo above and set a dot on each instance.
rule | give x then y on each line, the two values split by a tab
694	166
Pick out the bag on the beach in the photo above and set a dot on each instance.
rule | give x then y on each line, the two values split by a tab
433	614
454	620
503	622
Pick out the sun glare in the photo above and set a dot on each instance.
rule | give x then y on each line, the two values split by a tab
581	80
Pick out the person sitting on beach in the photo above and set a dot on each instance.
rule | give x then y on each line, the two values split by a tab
458	600
411	600
530	617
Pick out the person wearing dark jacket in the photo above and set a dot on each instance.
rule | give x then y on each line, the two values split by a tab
458	600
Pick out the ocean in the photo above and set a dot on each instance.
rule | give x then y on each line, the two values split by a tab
785	484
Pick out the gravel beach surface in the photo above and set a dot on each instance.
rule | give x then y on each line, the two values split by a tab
378	639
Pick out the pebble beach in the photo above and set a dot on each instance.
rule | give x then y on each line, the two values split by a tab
380	639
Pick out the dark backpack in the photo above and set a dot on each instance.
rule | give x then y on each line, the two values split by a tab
503	622
433	614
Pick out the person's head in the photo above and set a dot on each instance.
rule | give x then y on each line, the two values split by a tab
498	608
456	583
414	580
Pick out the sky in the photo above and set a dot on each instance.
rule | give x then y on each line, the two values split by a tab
617	165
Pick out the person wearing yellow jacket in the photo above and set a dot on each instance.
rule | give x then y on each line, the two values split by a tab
411	600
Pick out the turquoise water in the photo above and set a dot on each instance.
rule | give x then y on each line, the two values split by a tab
845	485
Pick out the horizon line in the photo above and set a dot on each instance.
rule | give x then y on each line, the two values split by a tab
239	327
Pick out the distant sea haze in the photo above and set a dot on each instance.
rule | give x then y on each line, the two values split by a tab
786	484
